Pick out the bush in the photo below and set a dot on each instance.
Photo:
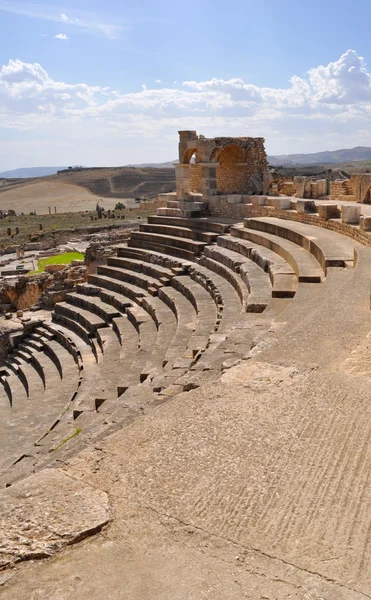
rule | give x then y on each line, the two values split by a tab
119	206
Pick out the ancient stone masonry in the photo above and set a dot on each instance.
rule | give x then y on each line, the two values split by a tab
219	166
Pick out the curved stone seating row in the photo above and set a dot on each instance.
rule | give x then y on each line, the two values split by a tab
177	236
201	224
150	324
32	403
274	254
255	279
331	249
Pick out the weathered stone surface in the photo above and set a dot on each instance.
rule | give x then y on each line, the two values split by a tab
350	214
328	211
45	512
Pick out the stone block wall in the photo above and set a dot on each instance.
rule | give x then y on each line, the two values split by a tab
224	165
196	178
342	189
287	188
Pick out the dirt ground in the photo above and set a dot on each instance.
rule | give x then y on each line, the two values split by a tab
42	195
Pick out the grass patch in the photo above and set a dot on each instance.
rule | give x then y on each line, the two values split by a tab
67	439
59	259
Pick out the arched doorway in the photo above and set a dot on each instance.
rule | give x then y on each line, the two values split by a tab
195	173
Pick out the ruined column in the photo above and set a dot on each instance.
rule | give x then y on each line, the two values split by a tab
208	187
183	181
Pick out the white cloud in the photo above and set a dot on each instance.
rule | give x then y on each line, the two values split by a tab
61	36
328	108
87	22
158	81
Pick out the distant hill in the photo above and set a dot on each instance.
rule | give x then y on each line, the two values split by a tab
165	165
26	173
334	157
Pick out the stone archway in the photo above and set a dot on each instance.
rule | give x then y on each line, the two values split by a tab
195	173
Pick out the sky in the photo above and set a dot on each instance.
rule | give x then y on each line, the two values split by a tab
111	83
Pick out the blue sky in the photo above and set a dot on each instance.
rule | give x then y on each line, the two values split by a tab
95	83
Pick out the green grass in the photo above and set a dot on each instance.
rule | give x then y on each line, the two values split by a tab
67	439
59	259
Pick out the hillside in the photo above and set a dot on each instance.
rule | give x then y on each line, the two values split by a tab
73	191
360	153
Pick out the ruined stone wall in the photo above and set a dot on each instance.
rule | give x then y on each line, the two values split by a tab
342	189
232	175
196	178
224	165
318	188
220	207
287	188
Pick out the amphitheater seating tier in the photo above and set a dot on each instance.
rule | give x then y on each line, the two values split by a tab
182	301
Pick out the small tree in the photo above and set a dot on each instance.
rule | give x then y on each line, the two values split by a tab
119	206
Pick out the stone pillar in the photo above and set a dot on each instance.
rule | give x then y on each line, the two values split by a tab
208	187
183	181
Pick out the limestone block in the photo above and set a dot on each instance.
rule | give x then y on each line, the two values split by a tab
306	206
282	203
257	200
328	211
350	214
365	223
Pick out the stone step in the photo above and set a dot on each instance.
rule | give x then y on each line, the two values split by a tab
199	224
151	269
331	249
128	290
207	237
283	285
208	261
224	295
90	321
157	258
136	279
160	247
93	304
70	323
192	246
275	255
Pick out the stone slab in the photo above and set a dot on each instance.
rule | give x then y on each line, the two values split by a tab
45	512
